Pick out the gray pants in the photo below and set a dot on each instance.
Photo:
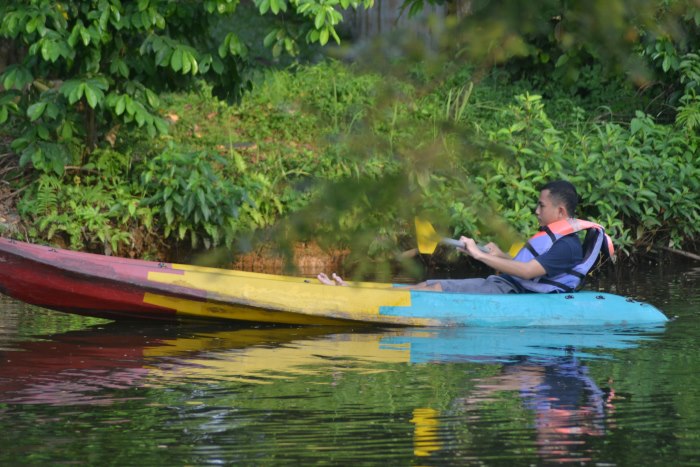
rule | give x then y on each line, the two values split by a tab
490	285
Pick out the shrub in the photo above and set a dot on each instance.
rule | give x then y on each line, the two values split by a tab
191	198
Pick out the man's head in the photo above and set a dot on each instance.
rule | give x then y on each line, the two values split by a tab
558	200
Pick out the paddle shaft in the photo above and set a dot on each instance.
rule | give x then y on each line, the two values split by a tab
458	244
428	238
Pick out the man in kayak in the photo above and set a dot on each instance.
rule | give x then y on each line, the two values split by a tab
552	260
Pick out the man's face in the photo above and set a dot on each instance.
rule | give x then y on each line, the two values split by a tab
548	210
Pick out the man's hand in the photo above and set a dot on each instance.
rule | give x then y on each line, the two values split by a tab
471	248
496	251
502	263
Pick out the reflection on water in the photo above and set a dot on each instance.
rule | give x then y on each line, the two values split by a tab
99	365
153	395
72	367
563	399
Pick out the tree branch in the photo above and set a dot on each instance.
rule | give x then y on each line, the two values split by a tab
682	253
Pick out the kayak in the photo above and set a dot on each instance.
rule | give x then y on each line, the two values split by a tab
122	288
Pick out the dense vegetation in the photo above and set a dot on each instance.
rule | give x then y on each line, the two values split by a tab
348	155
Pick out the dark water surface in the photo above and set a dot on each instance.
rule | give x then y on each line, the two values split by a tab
88	392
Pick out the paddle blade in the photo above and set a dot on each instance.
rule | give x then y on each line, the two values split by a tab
426	236
515	248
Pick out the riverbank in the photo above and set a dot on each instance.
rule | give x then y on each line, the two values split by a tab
343	168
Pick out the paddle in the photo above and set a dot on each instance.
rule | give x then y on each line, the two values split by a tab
428	239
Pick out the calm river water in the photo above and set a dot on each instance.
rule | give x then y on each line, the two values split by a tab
88	392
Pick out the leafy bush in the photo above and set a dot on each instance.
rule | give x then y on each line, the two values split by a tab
192	196
94	209
86	67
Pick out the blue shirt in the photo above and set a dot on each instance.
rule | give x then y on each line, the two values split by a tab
564	254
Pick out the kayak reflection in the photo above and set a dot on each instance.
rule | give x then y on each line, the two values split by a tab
73	367
540	367
506	344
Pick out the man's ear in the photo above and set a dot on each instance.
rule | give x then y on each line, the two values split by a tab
561	210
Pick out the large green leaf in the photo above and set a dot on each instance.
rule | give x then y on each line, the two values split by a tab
16	77
36	110
176	59
91	96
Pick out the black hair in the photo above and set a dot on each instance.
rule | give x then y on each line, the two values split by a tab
563	192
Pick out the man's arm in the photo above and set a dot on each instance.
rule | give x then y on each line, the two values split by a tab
528	270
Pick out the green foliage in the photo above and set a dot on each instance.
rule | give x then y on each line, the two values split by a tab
89	212
673	56
88	66
688	115
319	21
192	198
482	172
310	157
639	181
301	102
331	153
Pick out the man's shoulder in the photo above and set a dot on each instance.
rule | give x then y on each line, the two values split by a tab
571	239
569	244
